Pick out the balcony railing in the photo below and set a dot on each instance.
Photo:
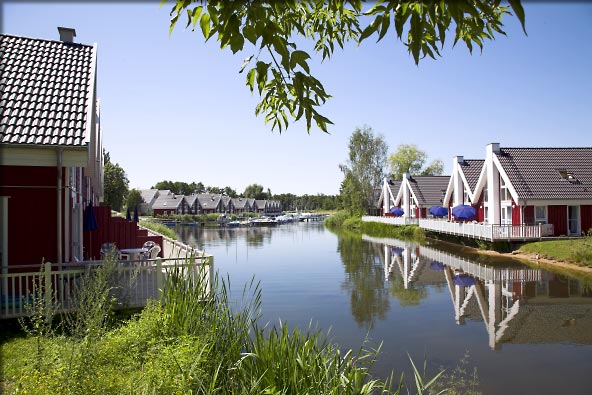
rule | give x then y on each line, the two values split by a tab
135	282
474	230
391	220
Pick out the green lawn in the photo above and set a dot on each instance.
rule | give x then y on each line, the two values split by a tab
578	251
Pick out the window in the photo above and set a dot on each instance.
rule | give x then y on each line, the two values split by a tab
485	194
540	215
466	199
486	219
504	193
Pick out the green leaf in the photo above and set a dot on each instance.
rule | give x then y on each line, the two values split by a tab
204	23
236	42
196	14
299	58
251	79
386	22
371	28
250	34
519	11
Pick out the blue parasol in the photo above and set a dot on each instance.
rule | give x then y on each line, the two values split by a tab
397	250
464	212
435	265
464	280
128	216
438	211
397	211
90	221
136	216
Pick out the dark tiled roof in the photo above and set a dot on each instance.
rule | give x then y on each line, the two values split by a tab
190	199
535	172
167	202
148	194
239	203
45	91
471	168
209	201
429	189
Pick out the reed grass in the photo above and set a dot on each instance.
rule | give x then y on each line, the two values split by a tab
196	339
159	228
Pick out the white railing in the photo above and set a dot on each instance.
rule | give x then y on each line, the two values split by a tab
400	221
466	229
476	230
135	282
481	271
173	248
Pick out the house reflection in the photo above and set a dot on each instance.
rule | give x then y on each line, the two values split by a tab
516	304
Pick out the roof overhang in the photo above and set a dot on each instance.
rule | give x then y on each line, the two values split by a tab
42	155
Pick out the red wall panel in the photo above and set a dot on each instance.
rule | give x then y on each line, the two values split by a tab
529	215
586	215
557	215
32	213
516	218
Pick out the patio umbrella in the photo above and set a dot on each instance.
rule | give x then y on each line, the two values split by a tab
438	211
464	280
136	216
128	216
89	220
464	212
397	211
396	250
435	265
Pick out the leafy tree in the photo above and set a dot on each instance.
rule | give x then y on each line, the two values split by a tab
164	185
115	183
254	191
409	158
436	168
279	69
199	188
133	199
364	169
228	191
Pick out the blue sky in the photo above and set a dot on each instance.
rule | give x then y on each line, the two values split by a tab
176	108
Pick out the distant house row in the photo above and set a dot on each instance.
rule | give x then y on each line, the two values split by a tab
511	187
164	202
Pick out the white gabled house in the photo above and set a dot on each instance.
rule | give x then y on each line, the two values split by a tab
517	193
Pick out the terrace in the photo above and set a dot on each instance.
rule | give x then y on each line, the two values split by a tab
474	230
134	282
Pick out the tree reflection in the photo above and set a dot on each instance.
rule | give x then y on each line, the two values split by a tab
406	297
364	280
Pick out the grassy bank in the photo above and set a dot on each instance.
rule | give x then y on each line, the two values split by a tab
577	251
160	228
347	221
196	343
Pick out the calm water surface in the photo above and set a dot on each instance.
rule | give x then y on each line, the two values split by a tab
526	330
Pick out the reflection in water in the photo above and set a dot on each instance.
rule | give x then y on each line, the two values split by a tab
363	281
516	304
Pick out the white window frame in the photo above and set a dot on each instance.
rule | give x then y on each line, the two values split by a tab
541	220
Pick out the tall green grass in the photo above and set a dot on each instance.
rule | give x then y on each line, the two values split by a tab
191	341
159	228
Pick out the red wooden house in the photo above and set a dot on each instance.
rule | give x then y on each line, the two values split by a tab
51	162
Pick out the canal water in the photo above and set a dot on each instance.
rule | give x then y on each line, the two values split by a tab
523	330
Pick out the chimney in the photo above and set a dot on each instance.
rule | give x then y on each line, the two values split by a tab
67	34
494	147
460	159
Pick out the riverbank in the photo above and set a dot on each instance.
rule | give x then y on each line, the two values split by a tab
181	346
574	255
